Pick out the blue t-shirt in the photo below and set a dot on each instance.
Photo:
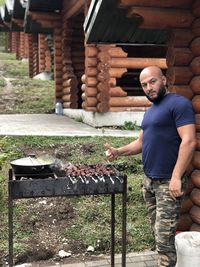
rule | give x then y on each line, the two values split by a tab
161	141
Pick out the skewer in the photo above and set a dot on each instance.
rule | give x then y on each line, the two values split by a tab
95	180
72	179
82	180
111	179
120	179
101	178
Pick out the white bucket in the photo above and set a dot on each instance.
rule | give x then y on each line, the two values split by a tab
188	249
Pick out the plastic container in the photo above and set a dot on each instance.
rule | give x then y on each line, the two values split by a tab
59	108
188	249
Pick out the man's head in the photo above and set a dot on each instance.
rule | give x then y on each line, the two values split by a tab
153	83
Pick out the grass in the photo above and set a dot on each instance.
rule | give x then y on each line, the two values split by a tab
7	56
25	95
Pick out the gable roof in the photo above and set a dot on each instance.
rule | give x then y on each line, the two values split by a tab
108	23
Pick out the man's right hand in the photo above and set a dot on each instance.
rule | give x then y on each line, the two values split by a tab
111	152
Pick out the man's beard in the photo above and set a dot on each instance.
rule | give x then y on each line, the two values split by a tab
161	93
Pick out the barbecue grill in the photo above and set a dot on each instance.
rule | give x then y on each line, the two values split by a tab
73	180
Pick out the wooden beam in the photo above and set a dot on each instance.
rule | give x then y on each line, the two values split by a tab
137	63
168	18
129	101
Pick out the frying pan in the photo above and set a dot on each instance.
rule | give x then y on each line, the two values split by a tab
32	165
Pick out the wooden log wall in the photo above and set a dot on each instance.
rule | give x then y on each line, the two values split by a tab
42	49
25	45
89	86
17	45
22	45
69	79
45	62
47	56
13	43
104	65
73	53
194	83
30	55
57	40
33	54
78	56
8	41
183	74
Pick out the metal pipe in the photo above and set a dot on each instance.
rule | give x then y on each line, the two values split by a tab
124	201
112	230
10	221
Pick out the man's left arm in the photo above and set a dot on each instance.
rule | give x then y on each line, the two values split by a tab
187	134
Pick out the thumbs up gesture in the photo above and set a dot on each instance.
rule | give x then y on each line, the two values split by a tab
111	152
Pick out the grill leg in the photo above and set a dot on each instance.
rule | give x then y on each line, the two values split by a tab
10	222
10	231
112	230
124	200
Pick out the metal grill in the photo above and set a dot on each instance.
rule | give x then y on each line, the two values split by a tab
90	180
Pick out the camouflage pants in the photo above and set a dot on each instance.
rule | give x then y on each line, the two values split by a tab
164	214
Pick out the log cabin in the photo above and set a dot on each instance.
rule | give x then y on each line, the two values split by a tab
99	48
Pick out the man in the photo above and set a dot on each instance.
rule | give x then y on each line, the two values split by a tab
167	141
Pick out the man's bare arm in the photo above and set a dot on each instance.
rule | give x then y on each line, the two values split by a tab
132	148
187	134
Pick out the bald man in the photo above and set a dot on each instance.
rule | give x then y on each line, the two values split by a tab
167	141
